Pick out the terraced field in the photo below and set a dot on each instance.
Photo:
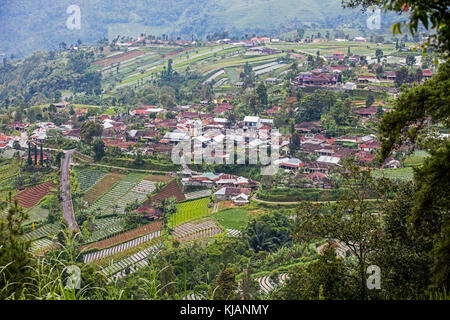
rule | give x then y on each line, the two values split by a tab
109	202
132	234
198	194
90	257
106	228
192	231
118	269
190	210
266	285
102	186
41	245
29	197
41	232
88	177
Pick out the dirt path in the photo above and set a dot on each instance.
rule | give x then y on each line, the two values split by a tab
67	207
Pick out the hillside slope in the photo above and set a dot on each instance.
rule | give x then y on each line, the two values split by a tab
29	25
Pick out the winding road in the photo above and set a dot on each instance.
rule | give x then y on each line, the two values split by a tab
67	207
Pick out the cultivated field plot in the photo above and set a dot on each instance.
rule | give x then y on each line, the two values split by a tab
190	210
198	194
88	177
44	231
109	202
119	58
137	194
192	231
400	174
172	189
8	171
28	198
90	257
132	234
102	186
134	262
41	245
266	285
233	233
105	228
37	214
158	178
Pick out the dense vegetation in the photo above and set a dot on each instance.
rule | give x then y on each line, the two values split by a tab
42	77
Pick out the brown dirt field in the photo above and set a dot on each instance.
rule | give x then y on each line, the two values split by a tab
170	190
102	186
158	178
119	58
29	197
127	236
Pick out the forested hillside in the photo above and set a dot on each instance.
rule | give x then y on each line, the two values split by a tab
43	76
30	25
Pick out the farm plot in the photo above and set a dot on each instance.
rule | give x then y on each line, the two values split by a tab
105	228
233	233
158	178
134	262
266	285
102	186
90	257
137	194
28	198
41	245
112	196
266	70
36	214
132	234
88	177
44	231
119	58
189	210
192	231
198	194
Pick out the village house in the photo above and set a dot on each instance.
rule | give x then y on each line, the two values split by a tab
338	55
228	193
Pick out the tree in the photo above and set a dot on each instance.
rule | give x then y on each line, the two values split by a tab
99	148
249	285
401	76
328	278
370	100
90	130
433	15
379	54
410	60
35	154
225	285
15	258
41	155
261	91
29	160
414	111
349	220
168	207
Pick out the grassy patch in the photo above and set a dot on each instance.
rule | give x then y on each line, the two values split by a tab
403	174
232	218
37	213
